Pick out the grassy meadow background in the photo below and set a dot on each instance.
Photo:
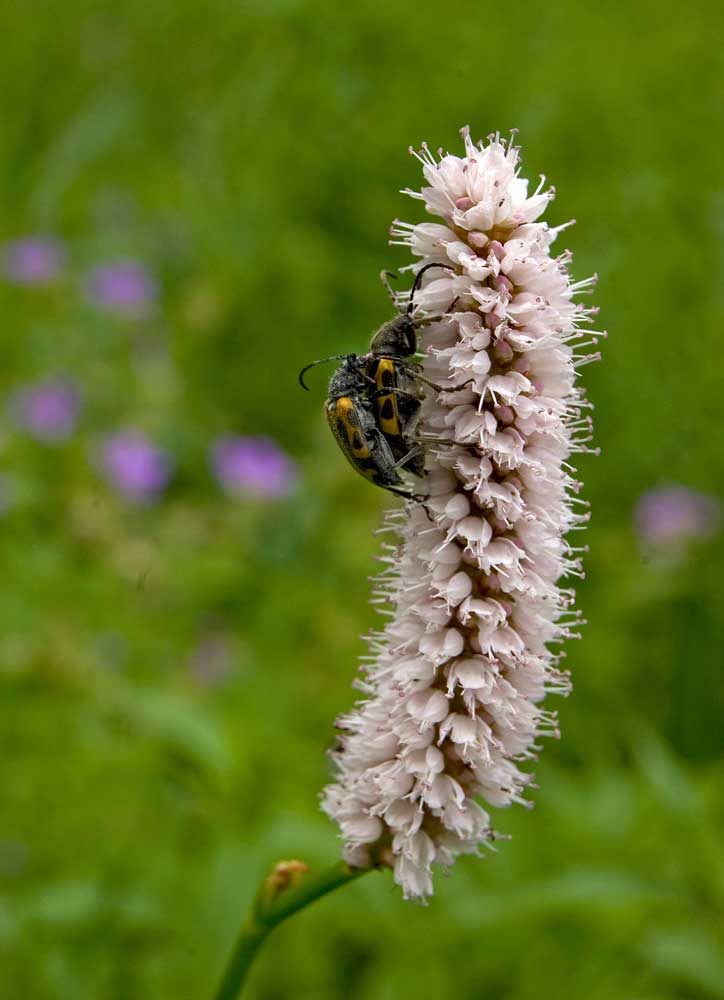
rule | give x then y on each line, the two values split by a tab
170	670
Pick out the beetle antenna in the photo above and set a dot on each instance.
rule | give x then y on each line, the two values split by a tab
322	361
418	280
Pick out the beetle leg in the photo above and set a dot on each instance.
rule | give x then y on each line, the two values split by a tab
415	497
414	452
359	370
406	494
385	279
388	391
414	374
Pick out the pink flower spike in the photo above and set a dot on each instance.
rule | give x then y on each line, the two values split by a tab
453	708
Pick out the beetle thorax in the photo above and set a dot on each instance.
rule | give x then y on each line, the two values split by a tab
397	338
346	378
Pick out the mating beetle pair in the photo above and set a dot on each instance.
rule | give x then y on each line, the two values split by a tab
374	401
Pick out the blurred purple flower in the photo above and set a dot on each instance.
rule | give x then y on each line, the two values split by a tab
668	516
125	287
135	467
33	260
47	410
252	465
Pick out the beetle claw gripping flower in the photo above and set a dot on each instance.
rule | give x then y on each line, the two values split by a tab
454	684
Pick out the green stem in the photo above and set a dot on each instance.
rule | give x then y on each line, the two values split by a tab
282	893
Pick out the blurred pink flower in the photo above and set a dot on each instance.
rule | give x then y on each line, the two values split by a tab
125	287
668	516
135	467
252	466
33	260
47	410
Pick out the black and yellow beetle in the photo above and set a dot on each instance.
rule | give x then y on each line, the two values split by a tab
374	401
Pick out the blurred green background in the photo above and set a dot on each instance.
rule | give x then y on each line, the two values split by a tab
170	670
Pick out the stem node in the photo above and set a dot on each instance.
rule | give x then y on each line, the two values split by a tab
288	888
